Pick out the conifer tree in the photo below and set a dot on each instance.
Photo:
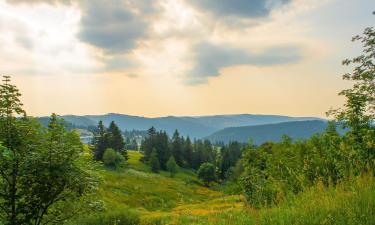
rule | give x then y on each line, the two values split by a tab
177	148
154	161
188	153
99	141
115	139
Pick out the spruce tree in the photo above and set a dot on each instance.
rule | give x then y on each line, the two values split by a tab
177	148
99	141
154	161
148	144
188	153
115	139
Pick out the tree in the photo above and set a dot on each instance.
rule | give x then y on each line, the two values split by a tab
43	177
188	153
99	141
358	112
177	148
148	144
229	155
207	173
172	166
162	148
154	161
113	159
115	139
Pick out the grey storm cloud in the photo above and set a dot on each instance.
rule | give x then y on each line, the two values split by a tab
111	26
108	25
211	58
239	8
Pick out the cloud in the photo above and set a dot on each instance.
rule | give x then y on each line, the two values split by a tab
111	26
211	58
52	2
239	8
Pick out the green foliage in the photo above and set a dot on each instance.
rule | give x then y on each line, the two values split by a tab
115	140
113	159
358	112
43	176
207	173
349	203
108	138
154	162
172	166
229	155
203	152
159	142
188	153
177	148
99	142
120	217
274	171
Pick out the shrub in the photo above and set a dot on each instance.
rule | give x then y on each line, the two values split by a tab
207	173
172	166
113	159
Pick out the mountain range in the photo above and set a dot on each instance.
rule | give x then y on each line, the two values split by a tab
223	128
269	132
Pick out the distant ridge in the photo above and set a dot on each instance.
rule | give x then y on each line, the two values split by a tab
193	126
269	132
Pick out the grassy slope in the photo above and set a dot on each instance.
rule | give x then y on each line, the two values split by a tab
182	200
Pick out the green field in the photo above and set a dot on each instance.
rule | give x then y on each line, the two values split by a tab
160	199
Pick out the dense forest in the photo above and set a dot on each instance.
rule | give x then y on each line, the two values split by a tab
47	176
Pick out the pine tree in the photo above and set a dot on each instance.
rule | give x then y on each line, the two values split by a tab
99	142
177	148
154	161
162	147
148	144
188	153
115	139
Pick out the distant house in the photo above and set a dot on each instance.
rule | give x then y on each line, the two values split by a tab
86	139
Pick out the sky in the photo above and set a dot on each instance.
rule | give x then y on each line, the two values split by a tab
180	57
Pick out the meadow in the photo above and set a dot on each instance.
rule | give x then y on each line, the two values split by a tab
143	197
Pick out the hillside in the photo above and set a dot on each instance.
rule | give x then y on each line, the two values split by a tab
182	200
270	132
195	127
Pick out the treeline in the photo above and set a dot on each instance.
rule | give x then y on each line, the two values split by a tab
133	138
187	153
109	145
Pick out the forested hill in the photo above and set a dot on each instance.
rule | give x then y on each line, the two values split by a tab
195	127
270	132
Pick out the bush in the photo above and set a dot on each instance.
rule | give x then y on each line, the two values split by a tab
207	173
172	166
113	159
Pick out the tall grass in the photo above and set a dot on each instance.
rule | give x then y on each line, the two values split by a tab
349	203
137	196
123	217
